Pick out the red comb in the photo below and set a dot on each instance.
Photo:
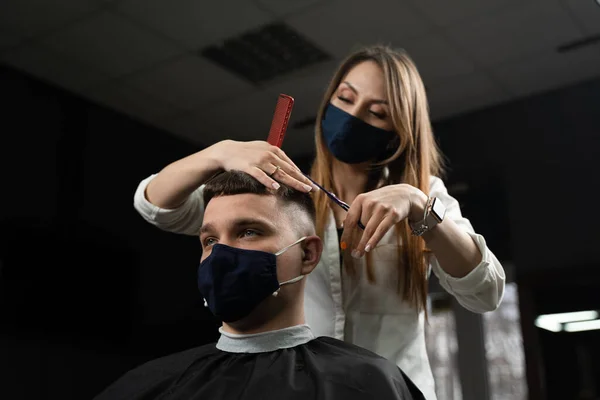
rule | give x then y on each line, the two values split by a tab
283	110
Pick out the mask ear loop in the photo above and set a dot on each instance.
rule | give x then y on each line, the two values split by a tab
294	280
288	246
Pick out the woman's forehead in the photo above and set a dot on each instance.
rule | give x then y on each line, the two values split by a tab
367	78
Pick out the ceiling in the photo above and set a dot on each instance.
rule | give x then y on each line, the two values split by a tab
141	56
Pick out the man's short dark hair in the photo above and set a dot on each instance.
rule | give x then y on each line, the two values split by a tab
236	182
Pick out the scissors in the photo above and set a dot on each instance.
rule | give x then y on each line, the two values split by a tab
335	199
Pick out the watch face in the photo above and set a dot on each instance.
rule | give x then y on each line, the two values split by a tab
438	210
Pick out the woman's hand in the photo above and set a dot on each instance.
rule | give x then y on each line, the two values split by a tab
379	210
267	163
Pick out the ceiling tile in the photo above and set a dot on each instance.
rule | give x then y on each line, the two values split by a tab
515	32
194	128
444	13
112	44
196	23
281	8
548	71
462	94
27	18
586	13
130	101
8	40
246	117
52	67
340	26
190	82
306	88
437	59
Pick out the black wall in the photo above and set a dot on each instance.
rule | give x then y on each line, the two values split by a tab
87	288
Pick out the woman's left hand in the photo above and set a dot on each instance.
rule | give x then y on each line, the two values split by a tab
379	210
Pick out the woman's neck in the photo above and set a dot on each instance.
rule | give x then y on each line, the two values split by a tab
349	180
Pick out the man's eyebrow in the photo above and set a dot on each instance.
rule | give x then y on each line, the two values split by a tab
242	222
205	228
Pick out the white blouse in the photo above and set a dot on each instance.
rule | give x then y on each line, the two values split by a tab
370	315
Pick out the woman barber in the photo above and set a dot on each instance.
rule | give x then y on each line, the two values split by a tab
376	151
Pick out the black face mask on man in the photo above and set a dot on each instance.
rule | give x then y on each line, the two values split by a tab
235	281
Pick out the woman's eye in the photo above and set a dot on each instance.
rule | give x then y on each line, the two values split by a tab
343	99
378	114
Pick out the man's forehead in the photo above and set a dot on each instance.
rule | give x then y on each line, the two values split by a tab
228	209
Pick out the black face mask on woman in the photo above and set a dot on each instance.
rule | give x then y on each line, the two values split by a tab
351	140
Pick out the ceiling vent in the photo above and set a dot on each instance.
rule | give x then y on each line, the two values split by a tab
266	53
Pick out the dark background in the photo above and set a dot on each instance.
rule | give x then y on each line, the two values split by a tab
88	289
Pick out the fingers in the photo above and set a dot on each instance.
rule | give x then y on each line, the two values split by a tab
263	178
282	176
368	242
351	222
291	169
374	222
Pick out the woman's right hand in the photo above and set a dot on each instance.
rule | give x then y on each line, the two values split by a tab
267	163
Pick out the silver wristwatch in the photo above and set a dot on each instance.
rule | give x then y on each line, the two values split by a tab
433	215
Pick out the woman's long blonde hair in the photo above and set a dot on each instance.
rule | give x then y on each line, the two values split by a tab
415	160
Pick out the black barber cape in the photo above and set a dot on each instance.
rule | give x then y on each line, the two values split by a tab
280	365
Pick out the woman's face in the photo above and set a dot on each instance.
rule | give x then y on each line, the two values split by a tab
362	94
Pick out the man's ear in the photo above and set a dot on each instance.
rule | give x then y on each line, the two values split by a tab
312	247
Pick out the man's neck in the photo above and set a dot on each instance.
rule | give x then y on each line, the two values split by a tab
252	325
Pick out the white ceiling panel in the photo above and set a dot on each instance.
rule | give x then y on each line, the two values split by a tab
437	59
133	102
8	40
194	128
190	82
464	93
244	117
340	26
515	32
307	90
586	13
30	17
548	71
196	23
444	13
112	44
52	67
282	8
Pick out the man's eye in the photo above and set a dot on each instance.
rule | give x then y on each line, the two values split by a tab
249	233
209	241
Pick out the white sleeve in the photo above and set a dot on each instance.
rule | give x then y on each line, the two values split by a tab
483	288
185	219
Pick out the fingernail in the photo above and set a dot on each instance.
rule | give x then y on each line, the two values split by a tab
276	186
367	248
343	245
355	254
315	187
308	188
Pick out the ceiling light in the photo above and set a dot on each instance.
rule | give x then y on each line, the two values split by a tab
582	326
554	322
